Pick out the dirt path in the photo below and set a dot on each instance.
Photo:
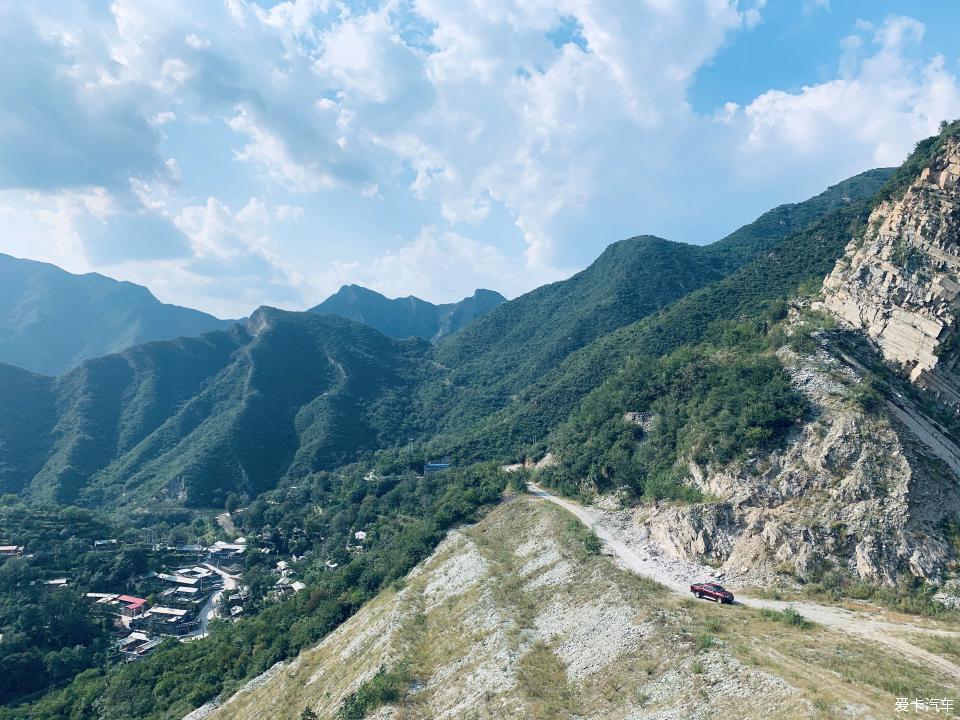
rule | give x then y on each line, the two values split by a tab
223	519
677	575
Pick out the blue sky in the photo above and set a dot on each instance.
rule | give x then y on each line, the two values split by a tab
232	154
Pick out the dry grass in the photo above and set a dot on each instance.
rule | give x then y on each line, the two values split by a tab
445	645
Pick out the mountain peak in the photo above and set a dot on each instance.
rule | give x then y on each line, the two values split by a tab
407	316
51	319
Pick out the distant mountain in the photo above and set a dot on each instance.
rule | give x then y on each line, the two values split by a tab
194	418
51	320
408	316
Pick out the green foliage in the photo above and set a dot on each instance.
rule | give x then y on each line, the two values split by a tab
910	595
788	616
709	404
867	395
923	153
587	541
703	642
384	688
308	714
405	517
49	636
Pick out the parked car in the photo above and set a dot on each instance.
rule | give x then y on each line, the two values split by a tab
712	591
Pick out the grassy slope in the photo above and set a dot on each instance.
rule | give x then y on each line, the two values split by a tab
496	619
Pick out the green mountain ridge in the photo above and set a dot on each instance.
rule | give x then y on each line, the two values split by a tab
407	316
51	320
289	393
229	410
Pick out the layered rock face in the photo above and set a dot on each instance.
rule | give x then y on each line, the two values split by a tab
899	283
865	494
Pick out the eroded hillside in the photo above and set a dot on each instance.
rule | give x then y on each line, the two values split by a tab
515	618
899	282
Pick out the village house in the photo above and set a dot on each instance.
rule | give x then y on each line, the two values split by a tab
11	550
136	645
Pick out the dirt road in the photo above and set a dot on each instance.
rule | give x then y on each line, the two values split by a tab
677	575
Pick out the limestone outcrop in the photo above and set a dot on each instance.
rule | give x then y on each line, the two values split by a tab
899	280
853	492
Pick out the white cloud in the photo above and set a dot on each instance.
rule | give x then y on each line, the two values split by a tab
270	154
162	118
287	213
520	154
878	107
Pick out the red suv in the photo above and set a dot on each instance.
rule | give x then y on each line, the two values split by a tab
712	591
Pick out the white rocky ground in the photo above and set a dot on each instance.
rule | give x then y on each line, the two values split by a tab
503	616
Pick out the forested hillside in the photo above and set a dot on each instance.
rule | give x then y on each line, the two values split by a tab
194	419
286	394
51	320
519	345
403	317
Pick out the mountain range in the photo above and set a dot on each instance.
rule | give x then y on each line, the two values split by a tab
777	410
408	316
288	393
51	320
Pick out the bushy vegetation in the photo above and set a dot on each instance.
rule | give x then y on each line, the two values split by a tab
405	517
387	686
712	403
787	616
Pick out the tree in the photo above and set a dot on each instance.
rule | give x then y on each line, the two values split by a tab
232	502
308	714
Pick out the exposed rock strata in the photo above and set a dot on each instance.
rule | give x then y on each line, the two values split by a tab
852	492
899	282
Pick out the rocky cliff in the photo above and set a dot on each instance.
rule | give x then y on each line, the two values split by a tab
898	281
864	490
856	493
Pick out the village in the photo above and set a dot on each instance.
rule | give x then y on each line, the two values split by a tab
193	585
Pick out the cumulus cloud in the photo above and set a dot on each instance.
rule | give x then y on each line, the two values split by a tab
881	103
239	147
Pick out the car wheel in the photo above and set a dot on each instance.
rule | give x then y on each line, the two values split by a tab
720	600
699	596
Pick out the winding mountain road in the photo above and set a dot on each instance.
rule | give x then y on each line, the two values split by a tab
869	624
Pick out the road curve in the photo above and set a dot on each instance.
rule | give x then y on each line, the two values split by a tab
865	624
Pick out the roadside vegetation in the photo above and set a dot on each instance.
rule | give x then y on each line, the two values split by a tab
405	518
713	403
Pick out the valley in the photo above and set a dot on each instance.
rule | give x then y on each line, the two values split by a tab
496	508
